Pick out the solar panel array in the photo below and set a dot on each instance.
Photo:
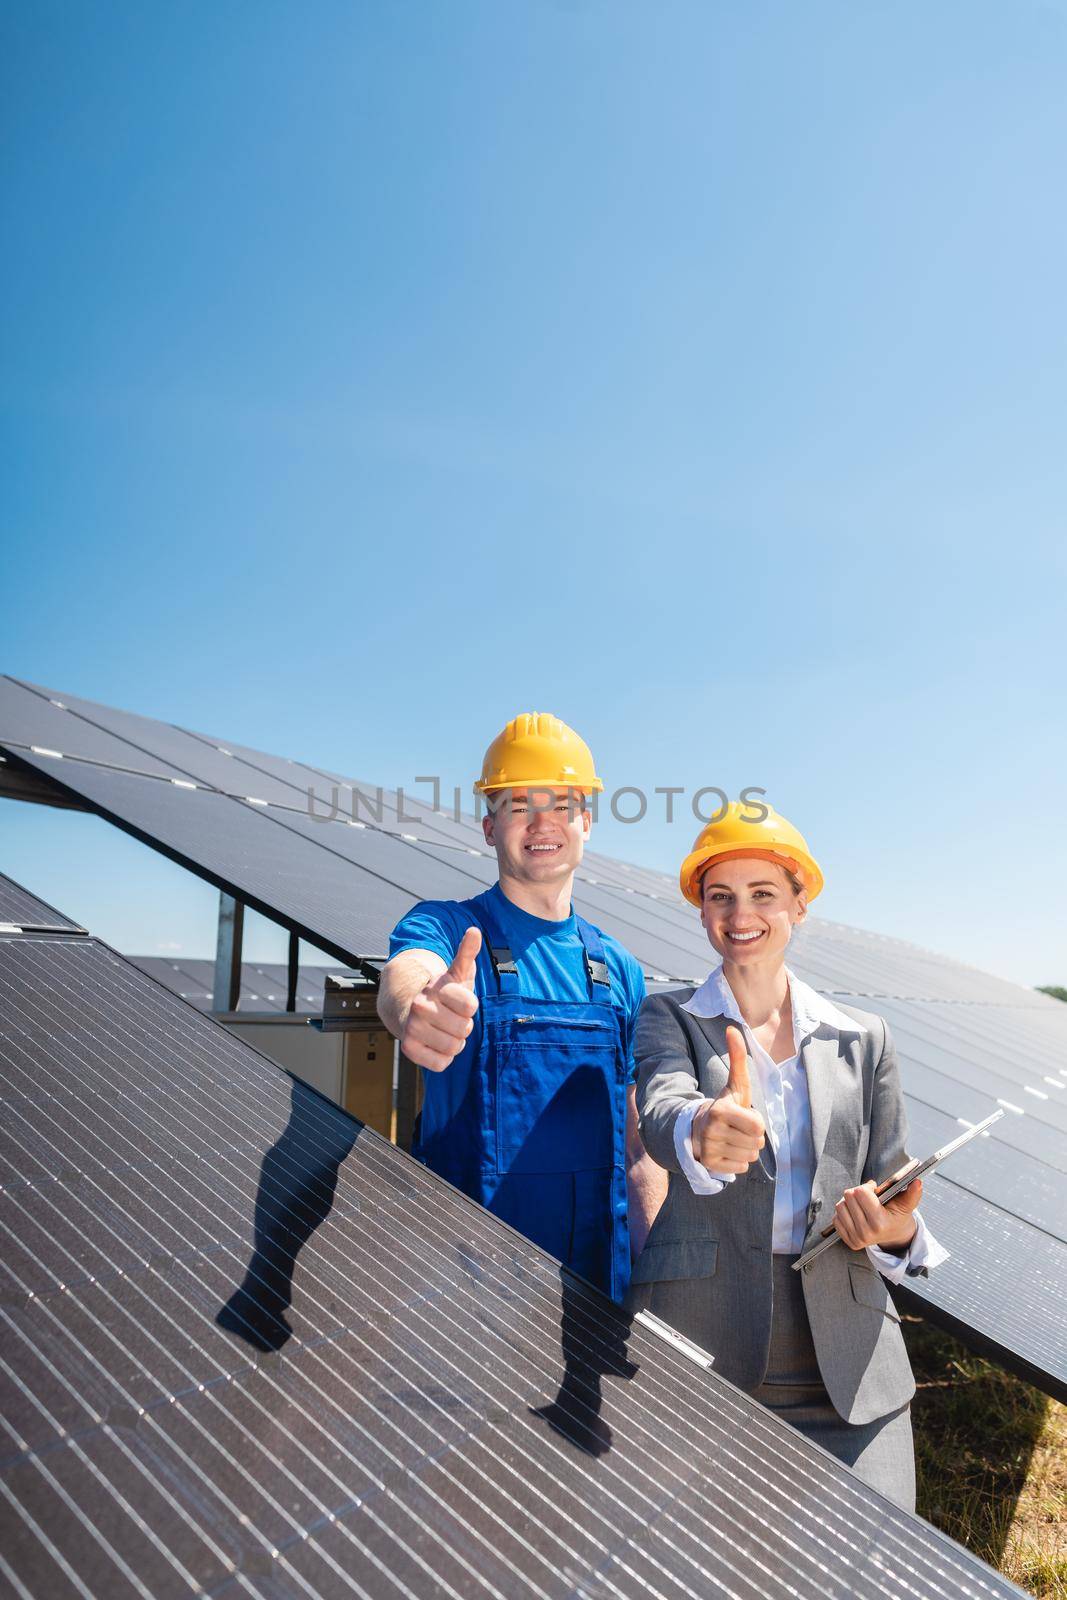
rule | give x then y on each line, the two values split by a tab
967	1041
250	1347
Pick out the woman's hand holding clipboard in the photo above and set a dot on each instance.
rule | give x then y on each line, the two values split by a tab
889	1188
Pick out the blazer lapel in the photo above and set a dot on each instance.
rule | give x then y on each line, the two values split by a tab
714	1031
819	1059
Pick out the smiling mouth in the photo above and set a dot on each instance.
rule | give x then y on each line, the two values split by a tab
747	938
542	849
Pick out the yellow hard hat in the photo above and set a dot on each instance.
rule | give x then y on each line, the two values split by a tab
537	750
740	834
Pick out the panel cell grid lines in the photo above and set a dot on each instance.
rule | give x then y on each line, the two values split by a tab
967	1042
250	1347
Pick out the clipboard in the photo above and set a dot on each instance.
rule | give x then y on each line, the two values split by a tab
893	1186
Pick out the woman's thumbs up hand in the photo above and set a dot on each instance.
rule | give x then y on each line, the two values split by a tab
738	1084
442	1015
727	1134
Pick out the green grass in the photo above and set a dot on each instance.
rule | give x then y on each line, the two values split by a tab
991	1460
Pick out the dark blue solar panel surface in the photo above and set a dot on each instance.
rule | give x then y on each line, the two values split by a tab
28	718
1025	1186
1001	1288
851	960
151	741
383	1392
1005	1077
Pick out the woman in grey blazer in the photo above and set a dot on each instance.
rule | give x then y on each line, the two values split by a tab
774	1112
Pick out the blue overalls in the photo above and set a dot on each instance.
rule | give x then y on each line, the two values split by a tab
544	1141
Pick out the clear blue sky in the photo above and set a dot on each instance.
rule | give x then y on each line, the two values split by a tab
696	371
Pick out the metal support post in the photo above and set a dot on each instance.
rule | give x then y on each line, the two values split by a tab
227	991
294	971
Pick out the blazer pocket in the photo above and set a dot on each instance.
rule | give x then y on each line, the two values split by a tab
671	1259
868	1288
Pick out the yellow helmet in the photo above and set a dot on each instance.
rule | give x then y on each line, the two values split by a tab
537	750
739	834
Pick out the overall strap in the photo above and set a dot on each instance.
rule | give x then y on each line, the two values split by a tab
500	956
596	967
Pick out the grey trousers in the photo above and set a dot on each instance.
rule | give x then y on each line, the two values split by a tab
881	1451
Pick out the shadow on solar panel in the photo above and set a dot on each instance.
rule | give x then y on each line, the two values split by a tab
295	1195
297	1183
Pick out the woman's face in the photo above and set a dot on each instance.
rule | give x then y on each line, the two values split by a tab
749	910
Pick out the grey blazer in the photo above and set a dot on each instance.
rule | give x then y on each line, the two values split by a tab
706	1268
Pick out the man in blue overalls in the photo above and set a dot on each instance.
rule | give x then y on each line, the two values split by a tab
521	1014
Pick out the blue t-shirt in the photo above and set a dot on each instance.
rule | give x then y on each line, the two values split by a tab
551	962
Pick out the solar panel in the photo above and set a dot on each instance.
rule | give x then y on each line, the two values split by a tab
967	1041
193	980
21	909
183	755
853	961
244	851
626	876
251	1346
926	1032
234	768
175	978
377	804
1002	1287
1025	1186
398	859
969	1105
37	722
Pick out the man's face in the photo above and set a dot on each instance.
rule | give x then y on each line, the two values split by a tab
538	834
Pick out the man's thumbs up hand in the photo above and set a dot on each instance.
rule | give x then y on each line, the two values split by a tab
441	1015
727	1134
465	961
